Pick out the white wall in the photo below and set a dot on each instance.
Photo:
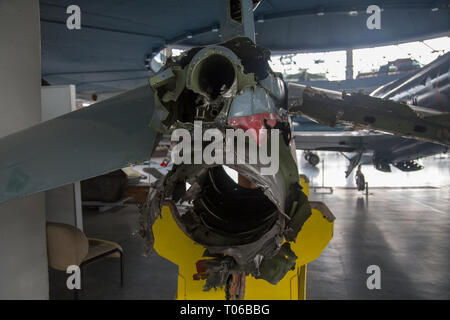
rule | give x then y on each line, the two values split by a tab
63	204
23	248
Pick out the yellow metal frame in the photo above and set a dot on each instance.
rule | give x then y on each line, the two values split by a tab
172	244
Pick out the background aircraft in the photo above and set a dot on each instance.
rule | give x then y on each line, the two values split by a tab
427	89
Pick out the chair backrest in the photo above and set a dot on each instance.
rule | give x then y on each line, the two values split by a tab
66	245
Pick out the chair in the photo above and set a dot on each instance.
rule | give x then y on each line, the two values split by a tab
68	245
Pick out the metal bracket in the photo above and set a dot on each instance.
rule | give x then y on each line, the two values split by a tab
237	19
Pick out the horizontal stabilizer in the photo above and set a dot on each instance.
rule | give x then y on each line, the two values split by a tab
79	145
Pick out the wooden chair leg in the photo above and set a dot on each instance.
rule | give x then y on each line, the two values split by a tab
76	292
121	269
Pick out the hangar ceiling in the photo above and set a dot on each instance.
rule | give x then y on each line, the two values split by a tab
108	53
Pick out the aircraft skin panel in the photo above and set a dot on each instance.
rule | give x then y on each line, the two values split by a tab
82	144
407	150
345	141
427	79
382	146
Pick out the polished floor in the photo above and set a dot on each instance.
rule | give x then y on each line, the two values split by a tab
405	232
403	228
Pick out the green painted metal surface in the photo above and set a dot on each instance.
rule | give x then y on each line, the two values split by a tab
85	143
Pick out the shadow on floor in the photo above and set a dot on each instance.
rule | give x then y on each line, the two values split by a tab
144	278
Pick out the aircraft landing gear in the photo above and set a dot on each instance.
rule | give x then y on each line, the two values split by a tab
360	180
312	158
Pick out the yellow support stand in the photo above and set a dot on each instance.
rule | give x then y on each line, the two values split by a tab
302	282
172	244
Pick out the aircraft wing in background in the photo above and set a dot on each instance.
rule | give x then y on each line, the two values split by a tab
415	106
333	107
381	150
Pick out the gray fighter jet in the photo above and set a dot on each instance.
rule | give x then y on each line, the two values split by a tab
426	91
